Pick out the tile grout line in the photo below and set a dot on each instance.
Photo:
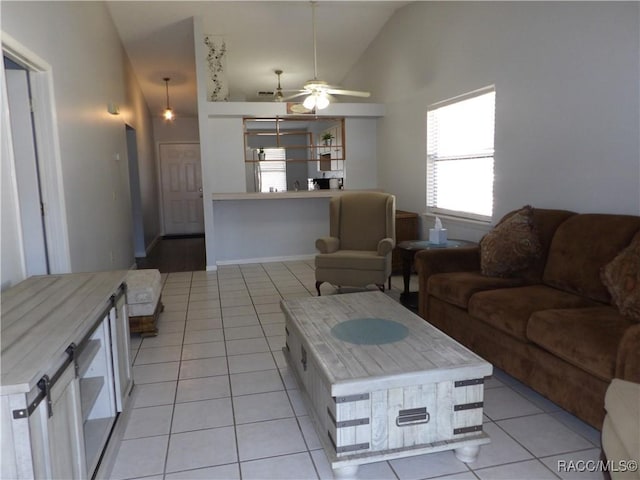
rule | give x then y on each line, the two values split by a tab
233	408
175	397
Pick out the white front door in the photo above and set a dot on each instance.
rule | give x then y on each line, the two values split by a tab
181	174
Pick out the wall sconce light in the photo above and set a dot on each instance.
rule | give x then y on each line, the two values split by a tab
168	113
113	108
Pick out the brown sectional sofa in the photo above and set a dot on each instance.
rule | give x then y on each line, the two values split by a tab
553	327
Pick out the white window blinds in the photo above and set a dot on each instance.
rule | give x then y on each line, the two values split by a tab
273	170
460	149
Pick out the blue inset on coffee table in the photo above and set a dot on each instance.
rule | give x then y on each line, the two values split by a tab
369	331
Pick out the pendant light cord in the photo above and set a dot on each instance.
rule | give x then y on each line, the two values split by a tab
166	83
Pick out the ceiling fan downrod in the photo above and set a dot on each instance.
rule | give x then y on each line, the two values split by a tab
313	29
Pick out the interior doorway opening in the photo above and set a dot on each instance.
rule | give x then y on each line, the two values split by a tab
47	214
31	207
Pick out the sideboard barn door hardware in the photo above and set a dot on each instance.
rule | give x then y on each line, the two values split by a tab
71	351
303	358
44	386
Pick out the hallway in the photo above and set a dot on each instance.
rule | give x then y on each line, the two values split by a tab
176	254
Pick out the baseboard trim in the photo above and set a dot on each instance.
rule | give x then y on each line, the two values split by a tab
153	244
244	261
183	235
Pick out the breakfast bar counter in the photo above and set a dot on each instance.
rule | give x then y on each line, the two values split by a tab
266	227
305	194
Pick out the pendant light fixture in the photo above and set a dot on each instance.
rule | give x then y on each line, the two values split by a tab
168	113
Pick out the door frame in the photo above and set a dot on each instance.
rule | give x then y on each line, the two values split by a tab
48	147
159	170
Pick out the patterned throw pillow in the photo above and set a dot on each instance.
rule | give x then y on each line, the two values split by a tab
511	247
622	277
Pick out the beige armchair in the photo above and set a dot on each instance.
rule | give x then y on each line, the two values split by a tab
362	234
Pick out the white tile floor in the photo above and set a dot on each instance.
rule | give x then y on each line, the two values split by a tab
214	398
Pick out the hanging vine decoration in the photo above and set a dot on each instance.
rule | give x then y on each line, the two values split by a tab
215	58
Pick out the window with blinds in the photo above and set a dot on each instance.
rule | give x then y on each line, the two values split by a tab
273	170
460	149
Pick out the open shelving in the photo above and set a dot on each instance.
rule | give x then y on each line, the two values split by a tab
301	137
97	399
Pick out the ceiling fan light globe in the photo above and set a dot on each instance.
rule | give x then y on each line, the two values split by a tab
322	102
309	102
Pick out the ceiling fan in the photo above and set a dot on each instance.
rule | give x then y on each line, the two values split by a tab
278	95
318	91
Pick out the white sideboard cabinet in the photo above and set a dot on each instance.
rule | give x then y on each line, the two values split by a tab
65	373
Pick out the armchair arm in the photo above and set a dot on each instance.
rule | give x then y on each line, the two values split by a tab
628	357
430	262
385	246
328	244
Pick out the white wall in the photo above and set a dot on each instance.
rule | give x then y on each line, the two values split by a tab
79	41
182	129
139	117
567	98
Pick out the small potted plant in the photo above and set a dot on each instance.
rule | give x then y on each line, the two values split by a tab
261	154
327	138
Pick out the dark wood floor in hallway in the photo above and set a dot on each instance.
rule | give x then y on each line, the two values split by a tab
176	254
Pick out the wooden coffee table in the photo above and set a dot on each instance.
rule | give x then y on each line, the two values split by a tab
380	382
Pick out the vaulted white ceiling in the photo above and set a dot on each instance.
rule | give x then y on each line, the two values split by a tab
260	36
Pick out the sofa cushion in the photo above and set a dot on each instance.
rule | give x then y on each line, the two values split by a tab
511	247
621	276
581	246
509	309
351	259
457	287
587	338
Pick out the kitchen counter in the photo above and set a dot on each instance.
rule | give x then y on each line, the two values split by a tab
280	195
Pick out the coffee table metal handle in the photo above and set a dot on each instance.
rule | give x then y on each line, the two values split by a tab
412	416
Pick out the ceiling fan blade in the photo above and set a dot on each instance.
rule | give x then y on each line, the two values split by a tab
351	93
299	94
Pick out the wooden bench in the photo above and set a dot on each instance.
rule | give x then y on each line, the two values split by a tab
144	301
